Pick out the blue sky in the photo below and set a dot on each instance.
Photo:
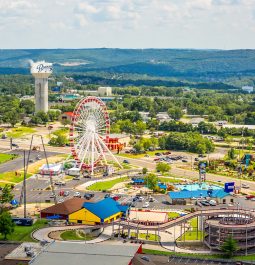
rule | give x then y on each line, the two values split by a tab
220	24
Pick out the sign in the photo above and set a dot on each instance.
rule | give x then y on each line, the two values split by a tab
41	67
229	187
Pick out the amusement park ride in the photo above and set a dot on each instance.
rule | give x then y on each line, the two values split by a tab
89	134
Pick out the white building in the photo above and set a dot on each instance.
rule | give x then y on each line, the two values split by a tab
104	91
163	116
196	121
248	89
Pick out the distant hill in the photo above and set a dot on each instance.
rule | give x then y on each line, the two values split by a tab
201	65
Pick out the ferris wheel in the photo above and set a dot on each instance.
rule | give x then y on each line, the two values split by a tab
89	134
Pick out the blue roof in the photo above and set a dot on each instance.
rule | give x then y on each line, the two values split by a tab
162	186
185	194
104	208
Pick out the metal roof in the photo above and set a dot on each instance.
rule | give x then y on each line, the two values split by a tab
59	253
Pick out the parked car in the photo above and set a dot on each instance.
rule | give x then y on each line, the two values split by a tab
196	159
184	160
146	205
245	186
156	159
141	199
31	161
52	195
250	197
116	198
151	199
61	200
15	145
76	178
205	203
77	194
158	154
253	199
126	161
88	196
106	195
60	183
212	202
38	157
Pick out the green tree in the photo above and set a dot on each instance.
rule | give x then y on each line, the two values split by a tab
163	167
7	195
60	140
175	113
231	153
11	117
6	224
144	170
152	181
138	147
140	127
229	247
65	122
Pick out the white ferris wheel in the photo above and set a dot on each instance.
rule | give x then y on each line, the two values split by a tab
89	134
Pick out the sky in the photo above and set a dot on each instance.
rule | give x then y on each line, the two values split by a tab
198	24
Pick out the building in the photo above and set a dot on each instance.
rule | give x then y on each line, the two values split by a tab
248	89
102	91
186	196
238	225
41	71
117	141
59	253
221	123
66	116
94	213
145	115
163	117
196	121
52	169
64	209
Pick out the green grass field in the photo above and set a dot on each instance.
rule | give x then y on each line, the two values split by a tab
143	236
193	234
73	235
169	180
150	153
7	157
106	185
20	132
10	177
23	233
173	215
204	256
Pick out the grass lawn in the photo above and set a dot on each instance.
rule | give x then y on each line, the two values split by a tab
143	236
106	185
20	131
73	235
150	153
209	256
173	215
192	234
12	178
23	233
7	157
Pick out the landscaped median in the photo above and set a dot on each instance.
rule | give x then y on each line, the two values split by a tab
76	235
106	184
198	256
7	157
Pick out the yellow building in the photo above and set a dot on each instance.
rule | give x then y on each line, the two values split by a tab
93	213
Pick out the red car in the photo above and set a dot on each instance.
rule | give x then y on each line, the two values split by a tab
116	198
156	159
248	197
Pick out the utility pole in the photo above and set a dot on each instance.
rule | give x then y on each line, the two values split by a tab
24	186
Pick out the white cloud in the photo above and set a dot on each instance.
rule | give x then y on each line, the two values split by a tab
127	23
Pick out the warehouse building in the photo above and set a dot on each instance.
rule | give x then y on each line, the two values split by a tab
94	213
58	253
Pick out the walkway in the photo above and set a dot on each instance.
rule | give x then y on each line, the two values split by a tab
43	234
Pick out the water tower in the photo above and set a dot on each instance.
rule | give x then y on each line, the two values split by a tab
41	71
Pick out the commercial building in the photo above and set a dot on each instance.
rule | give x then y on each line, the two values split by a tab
94	213
66	116
59	253
186	196
102	91
196	121
117	141
64	209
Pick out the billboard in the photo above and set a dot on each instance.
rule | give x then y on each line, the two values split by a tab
229	187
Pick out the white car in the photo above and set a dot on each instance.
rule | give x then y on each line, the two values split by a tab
253	199
245	186
61	200
77	194
146	205
212	202
141	199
